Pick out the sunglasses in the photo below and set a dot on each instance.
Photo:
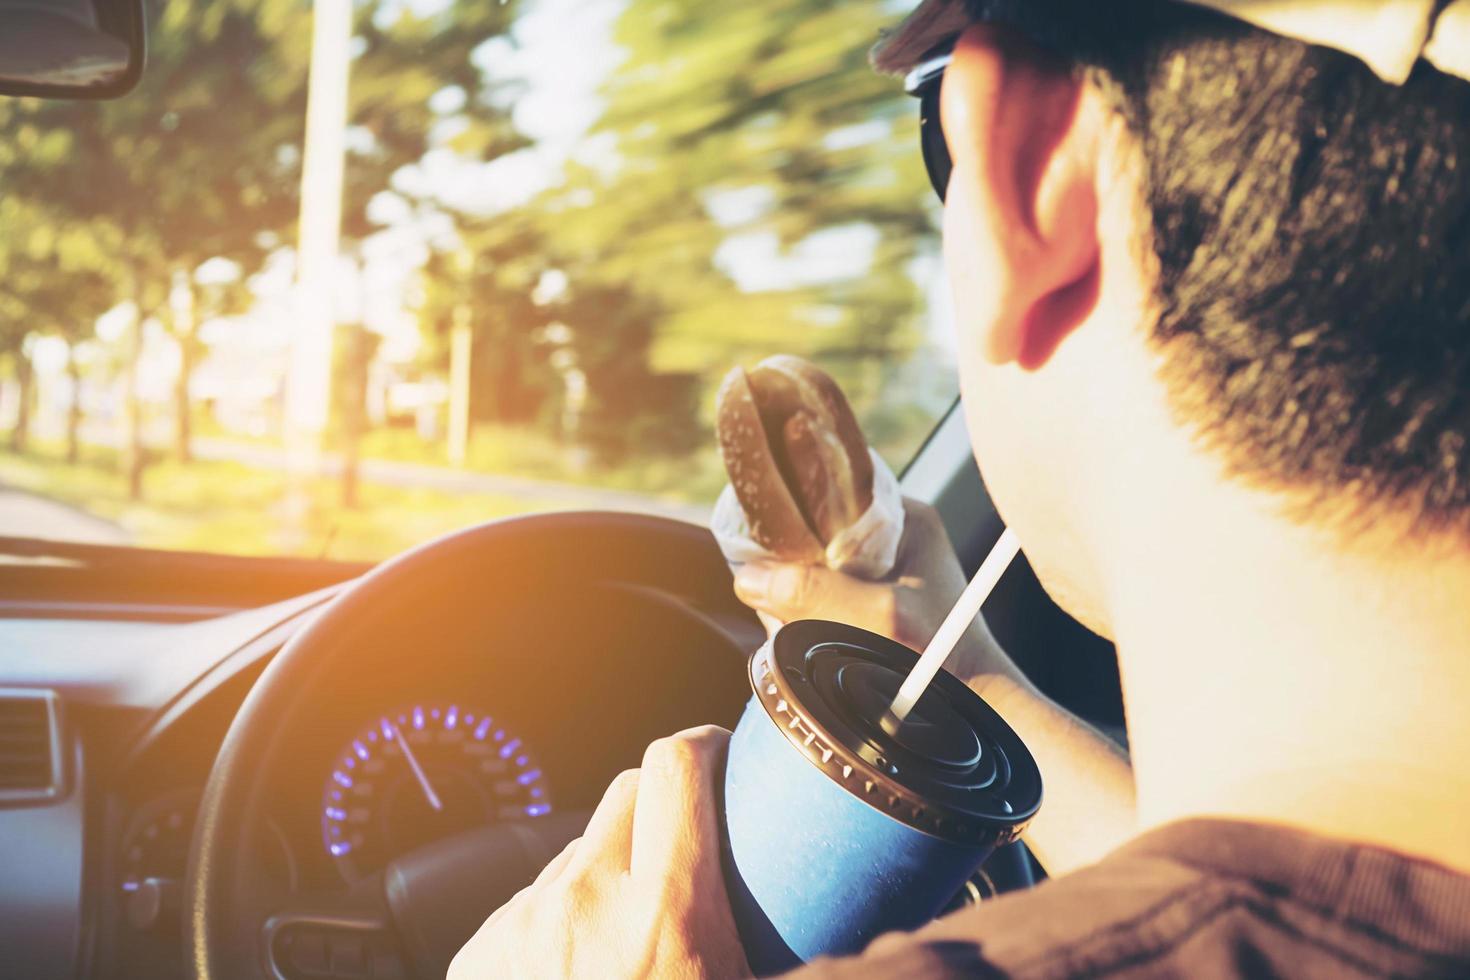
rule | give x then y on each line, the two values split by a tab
923	84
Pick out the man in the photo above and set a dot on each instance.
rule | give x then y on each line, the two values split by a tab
1213	294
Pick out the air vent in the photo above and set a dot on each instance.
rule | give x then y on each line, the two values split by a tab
30	746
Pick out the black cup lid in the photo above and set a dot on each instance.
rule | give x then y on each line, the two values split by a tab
952	768
933	731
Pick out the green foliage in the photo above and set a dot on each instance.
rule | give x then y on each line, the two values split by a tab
57	276
203	160
492	281
197	162
768	100
773	100
768	104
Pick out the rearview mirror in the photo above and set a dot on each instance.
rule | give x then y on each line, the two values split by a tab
70	49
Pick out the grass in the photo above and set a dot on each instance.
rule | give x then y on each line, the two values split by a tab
696	478
229	507
223	506
524	452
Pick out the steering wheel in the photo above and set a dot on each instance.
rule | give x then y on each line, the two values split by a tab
413	918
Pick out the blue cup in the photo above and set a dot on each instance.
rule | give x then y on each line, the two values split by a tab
838	827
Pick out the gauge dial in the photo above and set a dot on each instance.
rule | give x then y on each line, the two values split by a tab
420	773
155	856
157	842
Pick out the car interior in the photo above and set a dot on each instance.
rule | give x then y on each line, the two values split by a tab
193	776
172	720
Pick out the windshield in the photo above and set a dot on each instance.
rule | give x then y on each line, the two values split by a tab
561	223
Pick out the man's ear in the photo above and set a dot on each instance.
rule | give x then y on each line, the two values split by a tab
1020	222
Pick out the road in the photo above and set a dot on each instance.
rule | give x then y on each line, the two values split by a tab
28	515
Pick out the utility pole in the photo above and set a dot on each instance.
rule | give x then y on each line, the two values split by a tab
309	373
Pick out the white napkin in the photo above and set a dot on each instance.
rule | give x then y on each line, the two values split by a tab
867	549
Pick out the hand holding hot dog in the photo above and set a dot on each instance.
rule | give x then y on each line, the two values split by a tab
907	606
812	496
804	486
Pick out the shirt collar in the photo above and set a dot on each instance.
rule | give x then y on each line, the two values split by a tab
1417	900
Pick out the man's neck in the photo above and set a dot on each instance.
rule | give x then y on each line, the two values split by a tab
1272	675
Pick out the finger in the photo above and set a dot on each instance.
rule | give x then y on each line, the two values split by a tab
922	519
674	824
476	957
790	592
925	541
608	838
771	623
558	864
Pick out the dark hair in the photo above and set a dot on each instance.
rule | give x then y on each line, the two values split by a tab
1312	230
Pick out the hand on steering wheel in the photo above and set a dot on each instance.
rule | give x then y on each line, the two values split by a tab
640	894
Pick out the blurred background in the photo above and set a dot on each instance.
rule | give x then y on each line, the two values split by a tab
562	222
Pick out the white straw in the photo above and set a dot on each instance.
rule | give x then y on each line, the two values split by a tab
953	628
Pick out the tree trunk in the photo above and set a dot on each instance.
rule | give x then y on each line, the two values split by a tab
24	375
183	436
354	408
461	355
134	459
184	326
74	407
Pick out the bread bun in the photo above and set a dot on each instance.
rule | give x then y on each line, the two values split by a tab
797	460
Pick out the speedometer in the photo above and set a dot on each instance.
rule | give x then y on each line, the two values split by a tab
420	773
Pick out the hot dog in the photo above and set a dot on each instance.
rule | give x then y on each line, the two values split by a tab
797	460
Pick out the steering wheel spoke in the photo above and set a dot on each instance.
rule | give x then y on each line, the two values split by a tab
351	938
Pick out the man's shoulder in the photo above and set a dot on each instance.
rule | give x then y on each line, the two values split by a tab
1205	898
1090	921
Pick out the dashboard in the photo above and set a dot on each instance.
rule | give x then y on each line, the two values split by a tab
526	712
477	695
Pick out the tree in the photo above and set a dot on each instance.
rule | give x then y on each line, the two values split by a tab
354	353
630	409
57	281
13	340
192	165
215	289
752	129
513	380
203	160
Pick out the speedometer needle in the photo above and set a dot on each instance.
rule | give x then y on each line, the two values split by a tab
418	770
